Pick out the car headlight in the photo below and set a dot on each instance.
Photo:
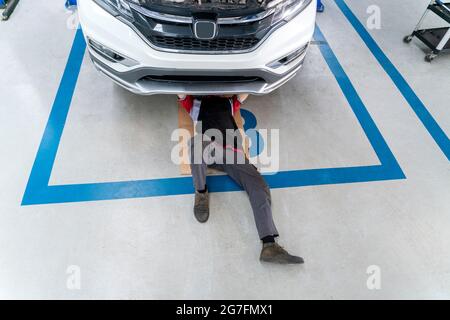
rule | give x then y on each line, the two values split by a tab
117	7
286	9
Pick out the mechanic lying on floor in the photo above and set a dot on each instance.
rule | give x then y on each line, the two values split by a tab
218	144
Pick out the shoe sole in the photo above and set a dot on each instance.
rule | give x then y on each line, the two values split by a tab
201	213
279	262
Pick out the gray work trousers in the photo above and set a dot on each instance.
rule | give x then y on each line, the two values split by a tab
243	173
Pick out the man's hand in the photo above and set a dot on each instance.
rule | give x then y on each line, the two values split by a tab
242	97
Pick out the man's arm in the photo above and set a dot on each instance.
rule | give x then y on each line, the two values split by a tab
242	97
186	102
191	105
238	100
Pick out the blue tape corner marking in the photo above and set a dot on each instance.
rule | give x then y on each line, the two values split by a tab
38	190
402	85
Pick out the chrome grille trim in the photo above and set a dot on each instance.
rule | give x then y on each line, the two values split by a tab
246	19
189	20
161	16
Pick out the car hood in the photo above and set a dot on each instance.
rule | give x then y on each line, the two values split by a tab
221	7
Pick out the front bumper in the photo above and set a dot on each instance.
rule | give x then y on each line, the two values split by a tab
156	72
142	80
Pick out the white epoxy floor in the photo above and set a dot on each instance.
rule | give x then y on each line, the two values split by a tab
154	248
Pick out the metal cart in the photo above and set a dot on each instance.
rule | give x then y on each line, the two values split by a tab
9	6
437	39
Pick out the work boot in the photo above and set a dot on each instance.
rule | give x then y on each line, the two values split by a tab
201	206
272	252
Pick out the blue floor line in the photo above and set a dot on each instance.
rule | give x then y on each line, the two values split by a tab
43	164
39	192
408	93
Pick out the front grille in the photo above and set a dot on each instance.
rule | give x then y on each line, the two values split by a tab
192	44
169	33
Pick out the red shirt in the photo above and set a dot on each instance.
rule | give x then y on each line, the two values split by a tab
188	103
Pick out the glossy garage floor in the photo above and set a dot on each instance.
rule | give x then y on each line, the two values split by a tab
363	195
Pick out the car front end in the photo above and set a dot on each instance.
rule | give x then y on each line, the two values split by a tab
198	46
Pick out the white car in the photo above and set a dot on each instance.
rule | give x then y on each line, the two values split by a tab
198	47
